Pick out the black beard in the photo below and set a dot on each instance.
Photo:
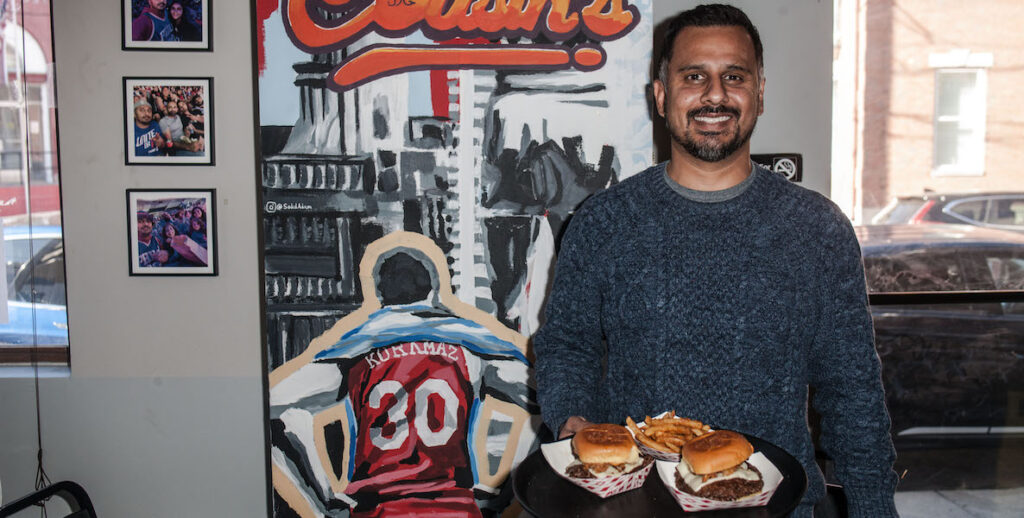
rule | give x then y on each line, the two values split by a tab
708	151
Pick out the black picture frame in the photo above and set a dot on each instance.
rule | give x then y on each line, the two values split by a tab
190	249
193	34
141	147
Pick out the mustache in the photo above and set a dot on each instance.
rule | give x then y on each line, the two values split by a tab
712	110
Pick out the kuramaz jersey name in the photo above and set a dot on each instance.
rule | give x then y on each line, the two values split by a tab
449	351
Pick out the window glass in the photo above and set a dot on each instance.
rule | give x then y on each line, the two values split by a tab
955	93
899	211
971	210
959	116
1007	211
18	251
915	270
1007	272
929	144
42	281
30	209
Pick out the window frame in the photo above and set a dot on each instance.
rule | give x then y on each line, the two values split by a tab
960	62
975	124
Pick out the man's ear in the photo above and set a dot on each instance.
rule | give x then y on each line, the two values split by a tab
760	96
659	97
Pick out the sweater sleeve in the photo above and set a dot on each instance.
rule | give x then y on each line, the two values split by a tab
568	346
846	374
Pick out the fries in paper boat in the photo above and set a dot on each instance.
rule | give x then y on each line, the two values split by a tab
677	431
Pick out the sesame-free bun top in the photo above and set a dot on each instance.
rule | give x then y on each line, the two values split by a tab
716	451
605	443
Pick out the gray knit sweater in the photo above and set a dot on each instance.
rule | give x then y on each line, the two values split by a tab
725	307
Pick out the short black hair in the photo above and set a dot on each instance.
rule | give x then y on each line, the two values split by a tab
404	279
709	15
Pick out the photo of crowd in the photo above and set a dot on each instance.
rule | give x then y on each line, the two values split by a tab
167	121
166	24
173	231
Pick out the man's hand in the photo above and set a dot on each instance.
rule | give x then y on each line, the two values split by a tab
572	425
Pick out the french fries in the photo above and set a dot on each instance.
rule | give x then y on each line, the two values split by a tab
667	433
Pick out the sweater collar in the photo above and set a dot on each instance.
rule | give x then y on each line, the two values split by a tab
709	196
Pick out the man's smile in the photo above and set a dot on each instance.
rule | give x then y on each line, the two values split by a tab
712	120
708	120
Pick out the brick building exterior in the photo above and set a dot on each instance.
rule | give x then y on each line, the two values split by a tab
934	98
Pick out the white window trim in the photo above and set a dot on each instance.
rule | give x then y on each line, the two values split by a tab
967	61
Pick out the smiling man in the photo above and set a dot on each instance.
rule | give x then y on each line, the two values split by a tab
711	286
150	253
710	90
148	139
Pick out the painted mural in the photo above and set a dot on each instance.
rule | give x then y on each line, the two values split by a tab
416	404
419	160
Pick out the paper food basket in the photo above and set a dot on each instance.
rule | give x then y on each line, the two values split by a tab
769	473
559	456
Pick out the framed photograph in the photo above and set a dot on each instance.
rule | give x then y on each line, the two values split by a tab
172	232
165	25
168	120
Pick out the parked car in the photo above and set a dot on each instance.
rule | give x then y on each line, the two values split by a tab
36	296
21	242
951	371
1003	210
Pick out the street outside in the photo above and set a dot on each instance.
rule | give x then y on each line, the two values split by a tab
972	503
964	482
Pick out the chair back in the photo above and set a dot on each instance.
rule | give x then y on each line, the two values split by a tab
72	493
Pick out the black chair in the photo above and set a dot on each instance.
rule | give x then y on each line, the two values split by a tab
72	493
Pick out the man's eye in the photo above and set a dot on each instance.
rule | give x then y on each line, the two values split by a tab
732	78
692	77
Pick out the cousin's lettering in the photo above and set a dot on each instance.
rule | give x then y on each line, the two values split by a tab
328	25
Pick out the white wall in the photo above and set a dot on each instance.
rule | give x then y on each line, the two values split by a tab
797	39
162	414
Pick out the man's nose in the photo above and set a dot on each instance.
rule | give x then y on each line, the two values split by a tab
714	92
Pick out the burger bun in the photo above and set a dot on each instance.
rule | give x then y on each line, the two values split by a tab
716	451
605	444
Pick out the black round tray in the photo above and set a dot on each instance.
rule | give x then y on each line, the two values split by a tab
545	494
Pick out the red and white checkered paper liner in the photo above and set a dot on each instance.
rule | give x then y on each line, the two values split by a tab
559	456
769	473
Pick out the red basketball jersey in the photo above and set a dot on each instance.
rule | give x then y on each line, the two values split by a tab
411	402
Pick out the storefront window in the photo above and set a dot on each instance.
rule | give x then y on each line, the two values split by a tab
938	207
34	324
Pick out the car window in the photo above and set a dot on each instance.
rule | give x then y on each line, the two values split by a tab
1007	211
971	210
1008	272
900	211
914	270
42	280
20	249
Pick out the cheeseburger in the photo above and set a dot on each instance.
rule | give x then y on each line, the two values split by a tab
715	466
603	450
